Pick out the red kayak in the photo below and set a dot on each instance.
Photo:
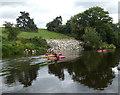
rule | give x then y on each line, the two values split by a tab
101	50
54	58
59	53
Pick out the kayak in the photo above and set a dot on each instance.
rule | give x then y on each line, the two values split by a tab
101	50
47	56
51	55
59	53
55	58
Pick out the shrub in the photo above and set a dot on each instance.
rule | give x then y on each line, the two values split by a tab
37	41
111	46
29	46
12	48
108	46
41	50
91	39
18	47
11	30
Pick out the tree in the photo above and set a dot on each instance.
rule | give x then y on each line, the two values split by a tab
91	38
53	25
61	29
68	27
25	23
11	30
116	39
94	17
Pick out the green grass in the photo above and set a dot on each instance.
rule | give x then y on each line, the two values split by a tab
44	34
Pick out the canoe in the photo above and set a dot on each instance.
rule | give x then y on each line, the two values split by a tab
50	55
59	53
101	50
47	56
55	58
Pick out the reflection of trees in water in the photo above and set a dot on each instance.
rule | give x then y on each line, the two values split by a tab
22	72
57	70
96	79
91	69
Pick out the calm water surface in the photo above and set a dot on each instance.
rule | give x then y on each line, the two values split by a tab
86	72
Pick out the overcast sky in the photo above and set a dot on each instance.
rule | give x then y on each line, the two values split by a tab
44	11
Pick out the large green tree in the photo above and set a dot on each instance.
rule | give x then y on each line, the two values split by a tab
25	23
53	25
95	17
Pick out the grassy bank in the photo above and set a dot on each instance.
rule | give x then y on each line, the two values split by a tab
44	34
28	40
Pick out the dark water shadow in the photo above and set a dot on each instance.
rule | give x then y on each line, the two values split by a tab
92	69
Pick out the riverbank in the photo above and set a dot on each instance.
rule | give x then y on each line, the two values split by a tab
64	44
68	47
30	43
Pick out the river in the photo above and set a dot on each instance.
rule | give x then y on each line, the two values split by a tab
85	72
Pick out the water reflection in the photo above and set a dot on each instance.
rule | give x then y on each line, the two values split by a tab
21	72
57	70
91	69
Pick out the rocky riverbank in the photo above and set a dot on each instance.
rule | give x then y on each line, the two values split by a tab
64	44
68	47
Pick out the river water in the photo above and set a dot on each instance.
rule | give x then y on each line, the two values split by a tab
85	72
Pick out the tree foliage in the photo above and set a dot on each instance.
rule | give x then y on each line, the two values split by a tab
53	25
18	46
94	17
91	38
11	30
25	23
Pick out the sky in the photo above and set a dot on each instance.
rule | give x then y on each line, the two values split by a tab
44	11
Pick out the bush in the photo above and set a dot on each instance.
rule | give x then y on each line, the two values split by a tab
41	50
91	39
12	48
11	30
61	29
116	40
18	47
29	46
108	46
37	41
111	46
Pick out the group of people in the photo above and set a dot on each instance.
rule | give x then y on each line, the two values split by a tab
53	52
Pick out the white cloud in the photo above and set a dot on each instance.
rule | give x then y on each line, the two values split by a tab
115	17
44	11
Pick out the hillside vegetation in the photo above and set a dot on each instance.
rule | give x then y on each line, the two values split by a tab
28	40
45	34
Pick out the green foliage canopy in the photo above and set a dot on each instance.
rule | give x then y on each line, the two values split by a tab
94	17
25	23
53	25
11	30
91	38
